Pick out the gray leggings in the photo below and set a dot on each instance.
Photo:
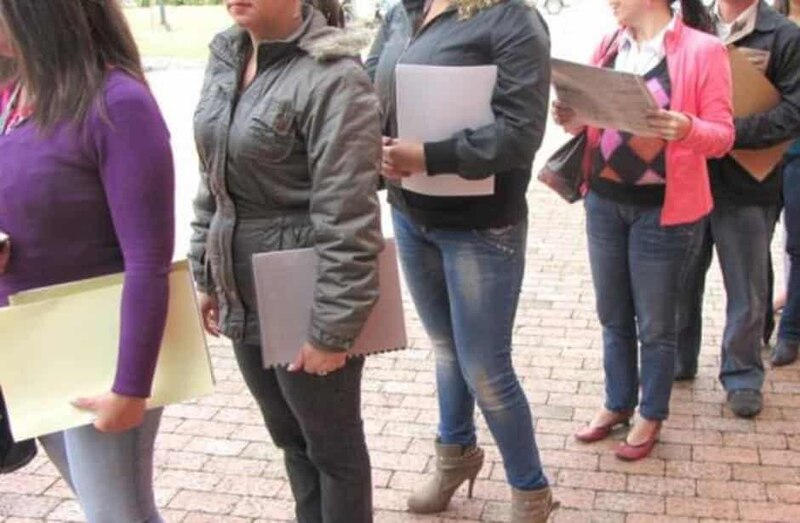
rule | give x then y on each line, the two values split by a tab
111	474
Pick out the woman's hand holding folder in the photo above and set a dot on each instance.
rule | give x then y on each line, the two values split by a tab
115	412
670	125
667	125
209	312
565	117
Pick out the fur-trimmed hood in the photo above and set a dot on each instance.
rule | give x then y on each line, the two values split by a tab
315	37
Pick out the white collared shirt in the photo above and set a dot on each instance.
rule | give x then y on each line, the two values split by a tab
744	24
641	57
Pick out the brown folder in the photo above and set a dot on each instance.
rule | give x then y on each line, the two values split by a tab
753	94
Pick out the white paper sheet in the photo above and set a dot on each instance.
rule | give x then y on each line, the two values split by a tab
435	103
285	282
603	97
60	344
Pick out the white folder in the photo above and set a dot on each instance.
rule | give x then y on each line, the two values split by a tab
433	104
61	343
285	282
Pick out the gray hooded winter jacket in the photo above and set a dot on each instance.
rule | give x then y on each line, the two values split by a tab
290	162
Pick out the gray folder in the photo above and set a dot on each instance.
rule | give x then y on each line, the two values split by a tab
285	282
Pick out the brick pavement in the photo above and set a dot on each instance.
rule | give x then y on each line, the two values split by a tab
215	464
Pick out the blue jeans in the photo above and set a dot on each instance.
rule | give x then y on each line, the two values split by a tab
466	286
742	235
790	320
111	474
637	269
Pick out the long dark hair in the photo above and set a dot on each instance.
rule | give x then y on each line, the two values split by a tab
695	14
64	50
332	10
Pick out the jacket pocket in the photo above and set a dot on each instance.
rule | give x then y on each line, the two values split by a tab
271	133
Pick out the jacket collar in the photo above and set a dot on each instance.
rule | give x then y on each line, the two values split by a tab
671	38
767	19
656	44
674	36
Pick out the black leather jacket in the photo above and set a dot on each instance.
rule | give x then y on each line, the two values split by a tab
510	35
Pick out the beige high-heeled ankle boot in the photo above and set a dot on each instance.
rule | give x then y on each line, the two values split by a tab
533	506
454	465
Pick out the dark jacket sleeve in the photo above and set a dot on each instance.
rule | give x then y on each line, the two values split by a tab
341	125
783	122
521	50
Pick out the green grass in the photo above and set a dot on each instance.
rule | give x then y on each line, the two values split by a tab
193	27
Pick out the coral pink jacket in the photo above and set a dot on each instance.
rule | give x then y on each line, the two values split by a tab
700	74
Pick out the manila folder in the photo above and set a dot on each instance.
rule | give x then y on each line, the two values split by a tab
61	343
753	94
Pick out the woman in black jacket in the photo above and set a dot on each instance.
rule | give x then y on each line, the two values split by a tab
464	257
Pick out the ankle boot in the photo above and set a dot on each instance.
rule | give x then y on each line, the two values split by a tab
534	506
454	465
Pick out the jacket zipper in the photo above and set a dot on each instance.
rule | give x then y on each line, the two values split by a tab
414	36
419	32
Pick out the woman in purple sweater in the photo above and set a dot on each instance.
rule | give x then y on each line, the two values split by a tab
86	189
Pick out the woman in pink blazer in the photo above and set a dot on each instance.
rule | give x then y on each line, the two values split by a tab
646	198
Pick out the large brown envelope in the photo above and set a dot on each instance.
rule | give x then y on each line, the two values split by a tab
753	94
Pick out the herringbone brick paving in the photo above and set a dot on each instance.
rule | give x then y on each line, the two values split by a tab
215	462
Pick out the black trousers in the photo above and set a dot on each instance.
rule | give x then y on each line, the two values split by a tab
317	423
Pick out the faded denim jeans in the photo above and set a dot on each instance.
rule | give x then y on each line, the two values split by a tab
638	268
742	236
790	319
111	474
466	286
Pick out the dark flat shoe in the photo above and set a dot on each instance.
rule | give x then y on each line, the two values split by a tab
19	455
746	403
784	353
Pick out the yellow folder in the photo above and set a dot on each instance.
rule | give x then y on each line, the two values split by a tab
61	343
753	94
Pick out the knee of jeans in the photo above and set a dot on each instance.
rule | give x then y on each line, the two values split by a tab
495	392
660	333
444	348
621	326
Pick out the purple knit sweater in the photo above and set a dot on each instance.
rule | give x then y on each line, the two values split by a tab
90	200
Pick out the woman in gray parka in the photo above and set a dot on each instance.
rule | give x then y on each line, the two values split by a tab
288	135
